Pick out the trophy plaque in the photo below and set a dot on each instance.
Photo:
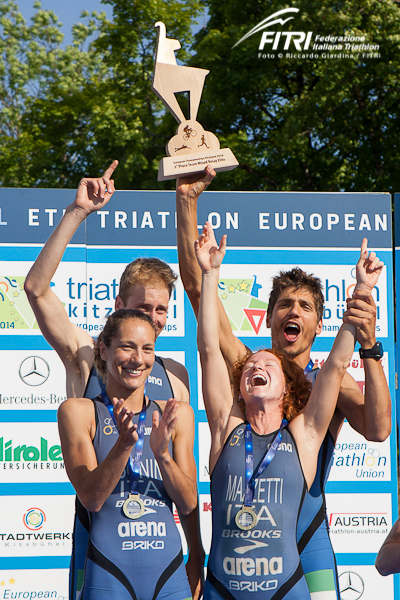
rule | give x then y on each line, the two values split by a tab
192	148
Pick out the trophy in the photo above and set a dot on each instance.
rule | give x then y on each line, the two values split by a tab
192	148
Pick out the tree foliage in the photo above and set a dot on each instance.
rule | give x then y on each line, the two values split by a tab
37	78
69	111
304	124
294	124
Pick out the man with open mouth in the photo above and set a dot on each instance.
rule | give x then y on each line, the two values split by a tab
294	315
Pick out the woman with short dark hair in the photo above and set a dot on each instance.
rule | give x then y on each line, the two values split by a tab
129	459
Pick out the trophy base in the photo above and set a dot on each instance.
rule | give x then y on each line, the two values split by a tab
173	167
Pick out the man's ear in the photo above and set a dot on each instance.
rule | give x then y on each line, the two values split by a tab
268	321
319	328
119	303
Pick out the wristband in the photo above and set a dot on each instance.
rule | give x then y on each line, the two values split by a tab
376	352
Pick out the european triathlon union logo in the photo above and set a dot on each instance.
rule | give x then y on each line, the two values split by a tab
15	311
239	297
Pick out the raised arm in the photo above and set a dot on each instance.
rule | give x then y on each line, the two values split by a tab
70	342
388	559
188	191
93	483
309	428
370	415
217	393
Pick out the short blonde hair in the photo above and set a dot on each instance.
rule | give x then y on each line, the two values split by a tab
146	271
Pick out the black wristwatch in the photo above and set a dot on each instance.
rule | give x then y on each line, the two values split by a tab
376	352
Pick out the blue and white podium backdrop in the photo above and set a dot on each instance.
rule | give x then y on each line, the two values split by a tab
397	288
267	232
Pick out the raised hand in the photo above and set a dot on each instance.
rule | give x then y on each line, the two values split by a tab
128	435
209	254
93	193
368	268
194	185
163	428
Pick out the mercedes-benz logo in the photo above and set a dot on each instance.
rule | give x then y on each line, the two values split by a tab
34	370
351	586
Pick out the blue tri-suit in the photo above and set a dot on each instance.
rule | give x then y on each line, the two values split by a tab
133	559
262	562
158	387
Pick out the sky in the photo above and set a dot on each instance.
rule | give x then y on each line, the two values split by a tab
68	11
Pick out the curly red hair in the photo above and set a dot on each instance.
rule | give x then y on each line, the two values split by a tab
298	387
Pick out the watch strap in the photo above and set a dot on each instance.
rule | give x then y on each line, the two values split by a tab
375	352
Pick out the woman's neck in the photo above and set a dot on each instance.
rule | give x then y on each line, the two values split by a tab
133	399
264	419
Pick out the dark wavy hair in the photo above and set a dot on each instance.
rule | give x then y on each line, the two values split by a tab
111	329
298	387
297	279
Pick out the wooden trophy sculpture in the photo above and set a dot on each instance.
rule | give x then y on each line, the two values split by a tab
192	148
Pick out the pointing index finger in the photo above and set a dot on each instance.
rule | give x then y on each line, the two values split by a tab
110	170
364	247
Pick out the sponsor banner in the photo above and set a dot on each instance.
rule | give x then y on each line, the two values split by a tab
244	291
358	523
31	453
31	215
36	525
31	379
320	228
205	520
102	289
36	379
396	283
149	219
33	584
89	296
245	298
364	583
87	292
16	315
357	459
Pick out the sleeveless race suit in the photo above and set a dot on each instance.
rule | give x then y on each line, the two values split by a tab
316	552
265	559
158	388
133	559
